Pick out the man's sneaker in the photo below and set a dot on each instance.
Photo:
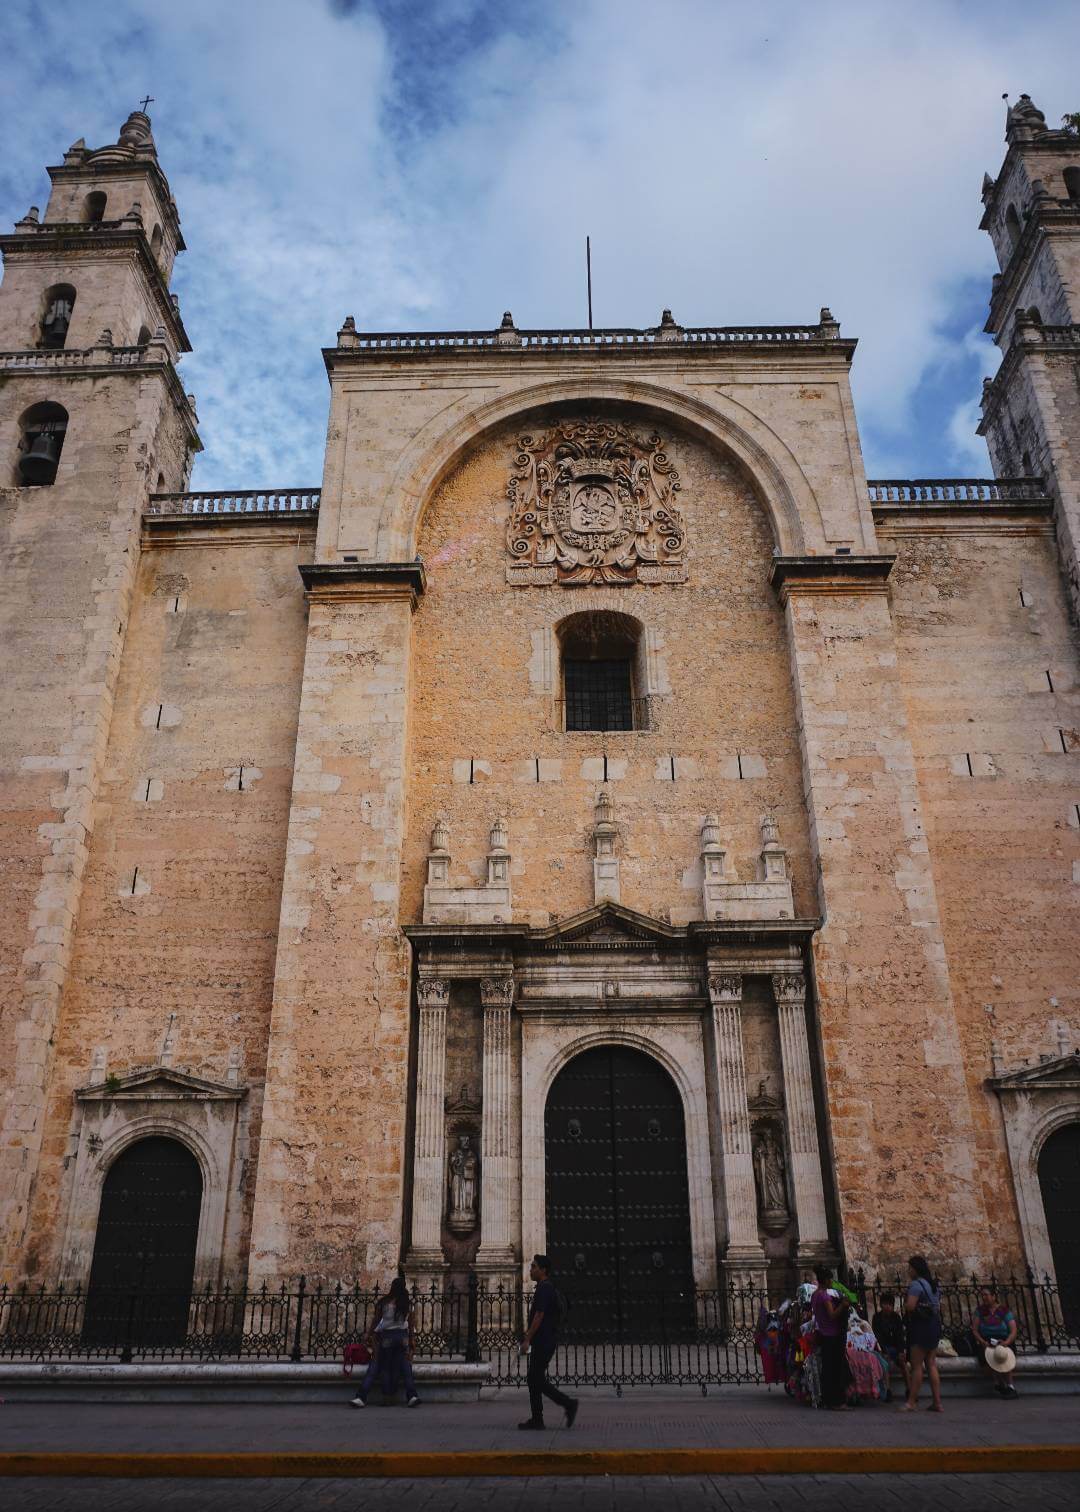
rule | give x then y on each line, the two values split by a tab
532	1423
571	1413
358	1401
414	1401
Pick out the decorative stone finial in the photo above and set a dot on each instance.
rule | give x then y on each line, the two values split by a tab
668	329
1024	120
438	861
606	881
134	215
135	132
988	185
29	219
500	835
713	853
106	338
1063	1040
996	1062
507	334
440	835
828	324
498	856
346	336
773	855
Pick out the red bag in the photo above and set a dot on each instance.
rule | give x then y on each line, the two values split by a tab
355	1354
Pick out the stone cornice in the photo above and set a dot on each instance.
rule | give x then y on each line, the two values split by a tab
335	582
92	242
830	574
158	1083
179	530
105	362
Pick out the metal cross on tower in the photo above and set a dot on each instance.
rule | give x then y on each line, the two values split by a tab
149	100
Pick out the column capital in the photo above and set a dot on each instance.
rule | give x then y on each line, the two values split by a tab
725	986
497	992
789	988
433	992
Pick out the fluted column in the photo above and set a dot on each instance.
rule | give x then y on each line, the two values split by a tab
496	1173
805	1151
744	1251
429	1157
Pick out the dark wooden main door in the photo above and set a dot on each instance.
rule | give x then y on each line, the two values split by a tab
618	1206
1059	1178
144	1253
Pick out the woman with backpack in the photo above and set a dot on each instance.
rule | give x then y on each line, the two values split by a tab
392	1342
922	1306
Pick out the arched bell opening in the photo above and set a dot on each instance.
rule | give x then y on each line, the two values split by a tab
94	207
143	1268
1059	1182
617	1196
57	309
42	431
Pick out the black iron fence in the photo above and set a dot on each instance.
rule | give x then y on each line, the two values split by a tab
689	1337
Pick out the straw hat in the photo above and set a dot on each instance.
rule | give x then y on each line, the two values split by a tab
1000	1357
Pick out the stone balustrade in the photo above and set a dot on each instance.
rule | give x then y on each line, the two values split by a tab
248	501
539	340
973	491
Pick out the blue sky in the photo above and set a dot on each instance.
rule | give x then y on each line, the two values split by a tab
426	164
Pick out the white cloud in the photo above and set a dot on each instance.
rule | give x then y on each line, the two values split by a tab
737	163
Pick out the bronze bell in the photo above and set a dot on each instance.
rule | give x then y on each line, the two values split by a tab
39	464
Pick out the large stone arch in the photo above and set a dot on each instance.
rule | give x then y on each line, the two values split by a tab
680	1054
778	481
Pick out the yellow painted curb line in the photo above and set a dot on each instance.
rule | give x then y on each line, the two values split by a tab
943	1460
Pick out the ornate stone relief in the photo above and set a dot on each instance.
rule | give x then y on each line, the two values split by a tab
593	502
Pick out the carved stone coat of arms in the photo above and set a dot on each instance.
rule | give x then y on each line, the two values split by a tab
592	502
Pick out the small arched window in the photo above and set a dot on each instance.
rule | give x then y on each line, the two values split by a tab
94	207
56	316
1012	225
602	677
155	241
160	483
1072	183
144	336
43	427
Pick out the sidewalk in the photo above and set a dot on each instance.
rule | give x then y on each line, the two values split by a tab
733	1417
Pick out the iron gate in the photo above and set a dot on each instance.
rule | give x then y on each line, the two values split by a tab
147	1229
618	1206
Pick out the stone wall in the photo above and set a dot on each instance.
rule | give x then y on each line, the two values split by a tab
991	675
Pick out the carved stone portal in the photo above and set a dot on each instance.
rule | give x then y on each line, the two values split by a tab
592	502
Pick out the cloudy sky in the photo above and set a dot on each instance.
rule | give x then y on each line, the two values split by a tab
426	164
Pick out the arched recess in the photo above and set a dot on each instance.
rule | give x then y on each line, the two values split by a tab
603	681
145	1244
617	1200
677	1046
771	469
42	431
1058	1170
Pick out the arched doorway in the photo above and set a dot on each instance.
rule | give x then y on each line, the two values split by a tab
1059	1180
618	1205
144	1252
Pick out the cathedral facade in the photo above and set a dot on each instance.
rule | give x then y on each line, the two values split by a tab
596	820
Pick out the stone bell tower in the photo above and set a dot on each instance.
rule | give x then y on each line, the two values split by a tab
1031	409
93	417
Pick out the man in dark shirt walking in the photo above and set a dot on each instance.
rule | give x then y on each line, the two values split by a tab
539	1344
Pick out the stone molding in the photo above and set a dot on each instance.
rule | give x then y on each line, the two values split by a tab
334	582
830	574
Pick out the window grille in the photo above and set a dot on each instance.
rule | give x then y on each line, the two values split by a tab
599	695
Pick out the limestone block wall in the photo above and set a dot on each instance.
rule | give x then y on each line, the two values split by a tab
70	554
990	667
110	291
177	931
487	723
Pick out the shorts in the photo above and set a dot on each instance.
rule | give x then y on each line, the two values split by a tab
924	1333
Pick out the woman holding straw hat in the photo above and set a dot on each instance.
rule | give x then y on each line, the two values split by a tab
994	1327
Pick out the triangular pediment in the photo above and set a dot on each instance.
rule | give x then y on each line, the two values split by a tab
160	1084
1051	1075
608	925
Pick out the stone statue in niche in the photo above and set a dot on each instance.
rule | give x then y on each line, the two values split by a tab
464	1186
770	1178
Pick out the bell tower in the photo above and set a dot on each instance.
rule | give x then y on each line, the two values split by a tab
1031	408
93	417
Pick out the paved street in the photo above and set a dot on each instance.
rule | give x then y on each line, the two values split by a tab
822	1493
744	1418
